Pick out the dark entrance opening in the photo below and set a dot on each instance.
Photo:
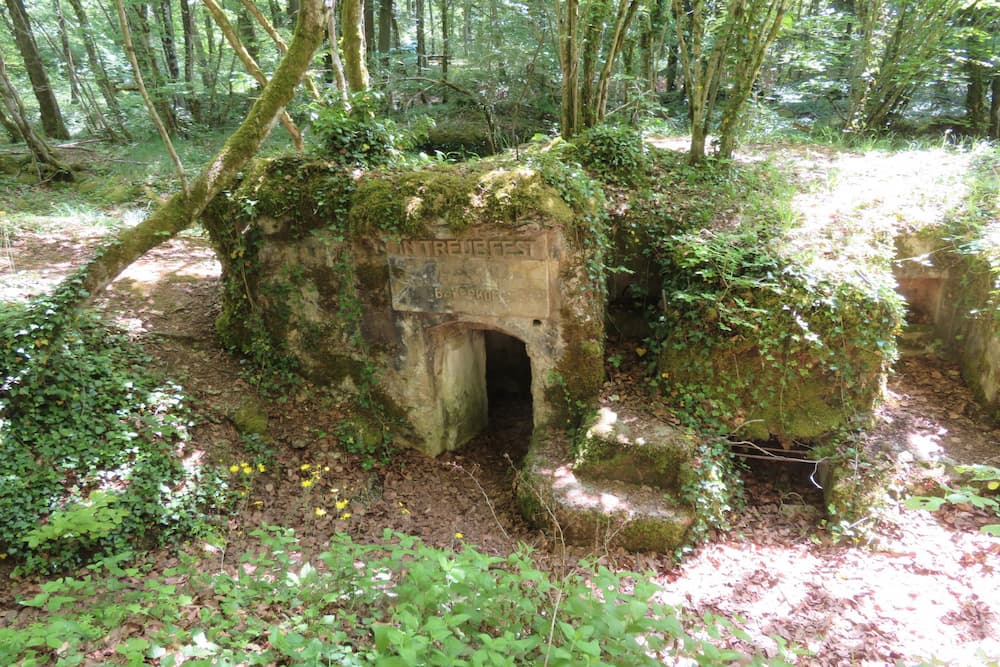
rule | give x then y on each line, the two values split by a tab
508	390
781	475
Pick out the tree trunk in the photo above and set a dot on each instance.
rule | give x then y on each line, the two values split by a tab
98	69
569	28
74	84
168	42
976	114
421	38
189	31
385	11
368	12
9	125
138	25
246	32
52	119
150	105
626	13
336	64
15	109
181	211
995	107
594	17
445	42
352	29
760	27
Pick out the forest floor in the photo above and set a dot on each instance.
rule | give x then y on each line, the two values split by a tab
913	587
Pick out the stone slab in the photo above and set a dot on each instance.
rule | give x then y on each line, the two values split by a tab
504	276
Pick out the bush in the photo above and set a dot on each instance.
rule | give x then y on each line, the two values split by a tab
615	154
356	136
89	444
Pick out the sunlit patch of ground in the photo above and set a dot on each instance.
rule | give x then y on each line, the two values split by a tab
924	592
852	205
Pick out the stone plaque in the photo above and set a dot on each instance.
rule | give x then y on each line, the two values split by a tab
479	276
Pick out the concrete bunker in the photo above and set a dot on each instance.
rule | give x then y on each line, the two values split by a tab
450	294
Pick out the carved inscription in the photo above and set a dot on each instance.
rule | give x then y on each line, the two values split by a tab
500	276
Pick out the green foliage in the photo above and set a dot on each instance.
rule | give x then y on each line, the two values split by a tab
744	333
615	154
980	489
558	167
395	603
367	438
89	444
358	135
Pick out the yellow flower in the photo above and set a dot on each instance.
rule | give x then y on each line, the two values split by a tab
341	504
345	516
305	466
405	511
3	556
234	468
319	511
306	483
261	468
247	470
459	536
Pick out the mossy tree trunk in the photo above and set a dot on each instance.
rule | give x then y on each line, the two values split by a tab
352	27
587	57
181	211
995	107
757	27
48	106
569	29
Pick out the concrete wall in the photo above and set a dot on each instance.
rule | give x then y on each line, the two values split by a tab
952	293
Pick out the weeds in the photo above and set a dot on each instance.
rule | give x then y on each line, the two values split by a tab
399	602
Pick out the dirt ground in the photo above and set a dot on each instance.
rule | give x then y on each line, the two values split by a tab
919	586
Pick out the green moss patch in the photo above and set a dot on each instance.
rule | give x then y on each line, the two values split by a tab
597	512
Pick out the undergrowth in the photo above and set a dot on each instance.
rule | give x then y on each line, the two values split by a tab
91	446
392	604
743	337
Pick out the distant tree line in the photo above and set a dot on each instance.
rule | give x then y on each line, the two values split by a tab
856	66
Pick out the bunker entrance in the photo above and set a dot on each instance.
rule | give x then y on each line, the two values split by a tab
507	380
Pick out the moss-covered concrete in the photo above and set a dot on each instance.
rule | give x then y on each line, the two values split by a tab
624	446
594	511
809	359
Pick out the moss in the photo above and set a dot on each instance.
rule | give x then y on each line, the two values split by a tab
301	195
250	417
371	277
378	206
556	501
458	195
580	369
792	357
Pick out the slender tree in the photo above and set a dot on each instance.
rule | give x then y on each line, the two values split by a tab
150	105
591	37
52	119
99	71
336	64
353	32
249	63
